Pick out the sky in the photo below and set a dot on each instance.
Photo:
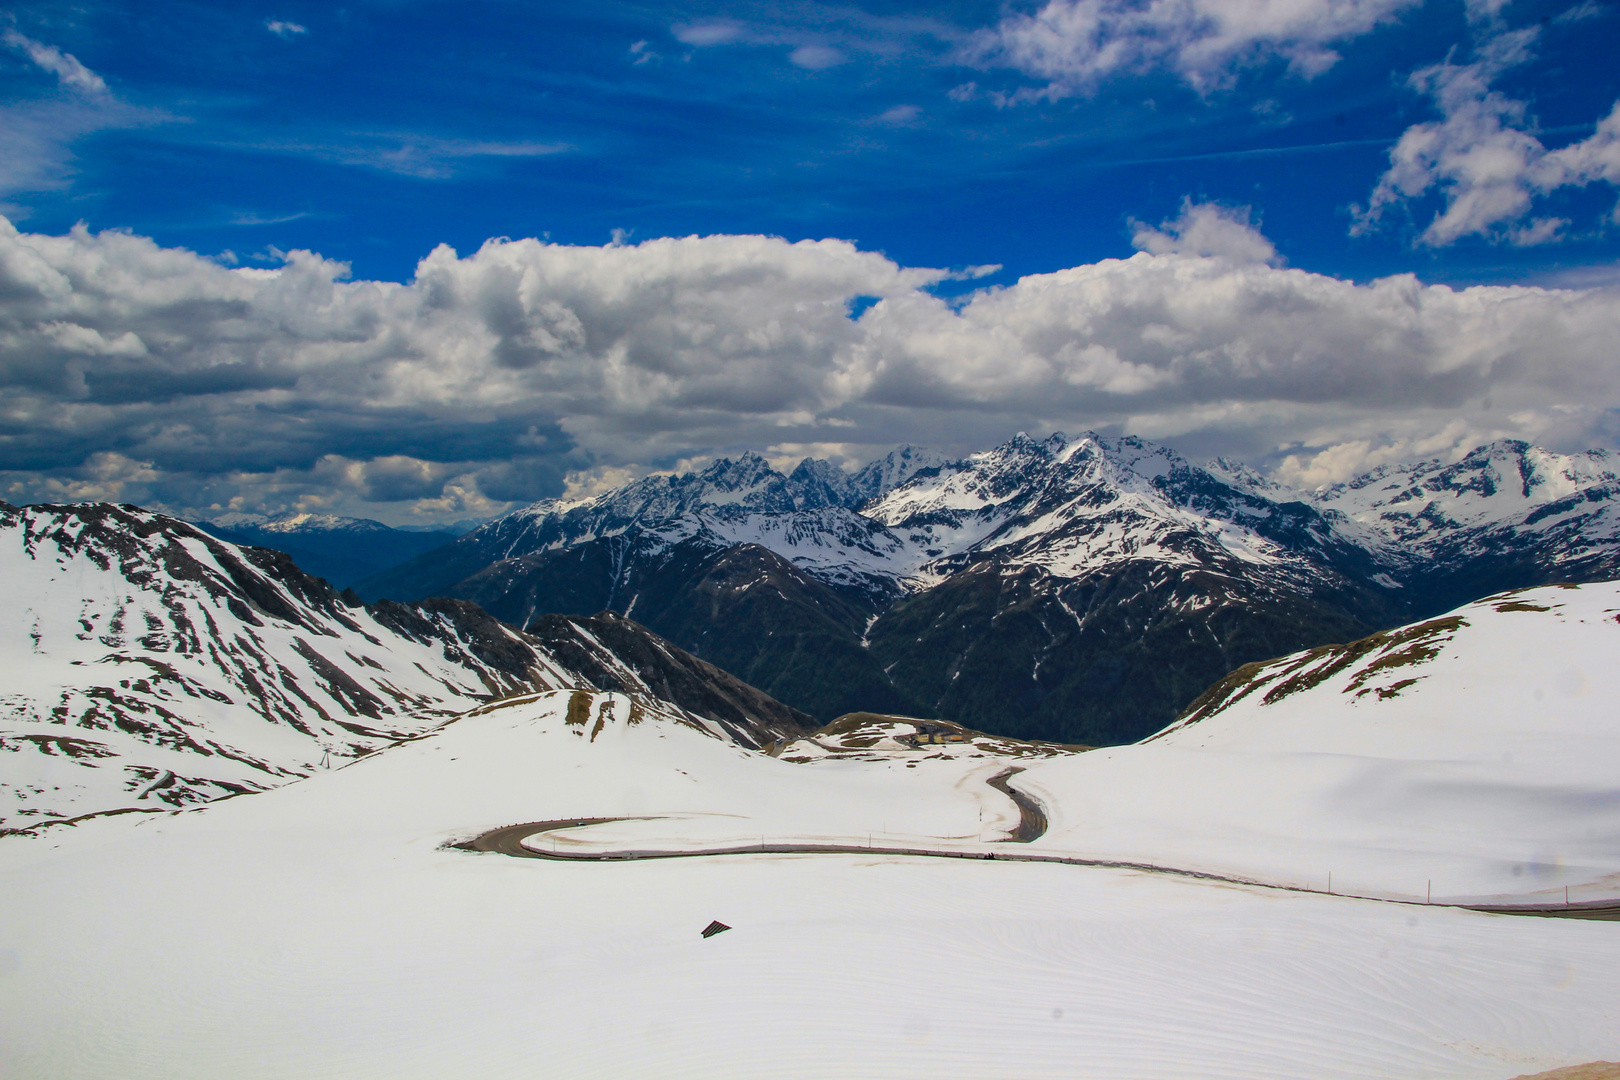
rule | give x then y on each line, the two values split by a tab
428	261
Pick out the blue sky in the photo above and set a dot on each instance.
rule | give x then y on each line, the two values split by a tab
1031	138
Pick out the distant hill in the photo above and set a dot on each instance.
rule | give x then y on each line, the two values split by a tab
340	549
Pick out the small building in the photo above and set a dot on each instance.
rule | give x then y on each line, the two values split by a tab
933	735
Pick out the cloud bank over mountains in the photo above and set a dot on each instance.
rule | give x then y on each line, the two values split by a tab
149	373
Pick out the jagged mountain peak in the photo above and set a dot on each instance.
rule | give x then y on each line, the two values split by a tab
1499	488
1074	505
879	477
746	471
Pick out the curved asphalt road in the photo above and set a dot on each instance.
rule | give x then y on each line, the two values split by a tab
1032	823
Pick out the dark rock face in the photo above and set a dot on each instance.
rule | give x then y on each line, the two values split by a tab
744	609
615	653
1102	659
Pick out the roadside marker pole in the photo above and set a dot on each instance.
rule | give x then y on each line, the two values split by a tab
1428	892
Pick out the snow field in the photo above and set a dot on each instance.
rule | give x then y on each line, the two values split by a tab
323	930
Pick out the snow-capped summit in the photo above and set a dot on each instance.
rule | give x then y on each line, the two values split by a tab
295	523
1072	506
1508	513
1506	484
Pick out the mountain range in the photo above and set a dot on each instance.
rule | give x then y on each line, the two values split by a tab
1078	590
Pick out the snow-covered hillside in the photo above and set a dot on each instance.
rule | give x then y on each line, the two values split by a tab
1474	755
149	665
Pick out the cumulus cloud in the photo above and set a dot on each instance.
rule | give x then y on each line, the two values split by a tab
1483	157
1070	46
1207	229
512	372
286	31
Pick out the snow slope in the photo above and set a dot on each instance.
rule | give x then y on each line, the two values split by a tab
1475	754
324	930
150	665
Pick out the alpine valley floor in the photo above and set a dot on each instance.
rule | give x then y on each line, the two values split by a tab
332	927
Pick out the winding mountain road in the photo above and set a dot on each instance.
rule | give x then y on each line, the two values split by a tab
1032	824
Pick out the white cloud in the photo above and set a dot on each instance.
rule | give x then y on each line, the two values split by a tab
899	114
1483	158
816	57
427	157
1072	45
1343	461
492	376
1207	229
286	31
1581	12
65	66
705	34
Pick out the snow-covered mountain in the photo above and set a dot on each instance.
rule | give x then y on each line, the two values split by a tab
1075	506
290	524
1079	590
807	516
150	665
1506	509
